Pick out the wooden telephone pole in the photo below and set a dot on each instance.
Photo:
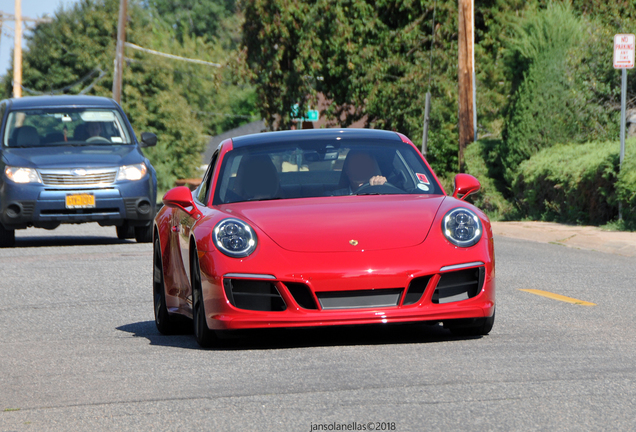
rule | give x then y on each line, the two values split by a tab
467	121
17	51
119	55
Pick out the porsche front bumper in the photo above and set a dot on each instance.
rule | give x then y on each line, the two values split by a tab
391	293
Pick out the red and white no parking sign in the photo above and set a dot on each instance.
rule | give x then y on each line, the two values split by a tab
623	51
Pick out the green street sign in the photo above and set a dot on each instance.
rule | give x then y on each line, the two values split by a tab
310	115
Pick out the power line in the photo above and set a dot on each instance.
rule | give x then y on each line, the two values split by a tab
62	90
174	57
224	114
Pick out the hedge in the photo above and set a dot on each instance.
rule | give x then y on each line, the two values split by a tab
578	183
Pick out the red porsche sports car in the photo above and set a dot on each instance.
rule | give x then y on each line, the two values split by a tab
322	227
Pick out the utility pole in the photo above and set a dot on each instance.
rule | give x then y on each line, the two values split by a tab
466	78
17	51
119	55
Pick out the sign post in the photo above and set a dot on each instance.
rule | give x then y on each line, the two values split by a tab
623	59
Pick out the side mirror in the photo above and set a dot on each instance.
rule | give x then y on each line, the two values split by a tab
148	139
465	184
180	197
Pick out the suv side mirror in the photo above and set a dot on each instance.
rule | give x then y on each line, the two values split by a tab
148	139
465	184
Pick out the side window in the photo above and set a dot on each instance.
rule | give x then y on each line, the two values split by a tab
204	189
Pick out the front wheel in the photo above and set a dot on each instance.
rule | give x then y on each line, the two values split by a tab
125	231
7	237
143	234
476	327
205	337
165	324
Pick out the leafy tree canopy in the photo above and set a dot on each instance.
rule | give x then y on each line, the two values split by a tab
179	101
375	60
212	19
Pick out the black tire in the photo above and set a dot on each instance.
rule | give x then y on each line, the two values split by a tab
143	234
164	322
205	337
125	231
479	327
7	237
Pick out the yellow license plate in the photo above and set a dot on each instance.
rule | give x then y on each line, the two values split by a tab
75	201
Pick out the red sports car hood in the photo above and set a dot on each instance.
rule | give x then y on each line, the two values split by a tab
336	224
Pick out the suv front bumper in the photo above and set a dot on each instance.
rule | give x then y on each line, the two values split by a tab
45	207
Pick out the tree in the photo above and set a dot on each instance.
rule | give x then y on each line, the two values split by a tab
159	95
372	59
211	19
555	62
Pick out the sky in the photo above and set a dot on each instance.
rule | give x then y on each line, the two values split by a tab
31	9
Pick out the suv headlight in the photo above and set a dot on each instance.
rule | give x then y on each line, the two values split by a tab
22	175
462	227
132	172
234	238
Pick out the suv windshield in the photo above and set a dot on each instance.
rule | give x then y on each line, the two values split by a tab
318	169
64	126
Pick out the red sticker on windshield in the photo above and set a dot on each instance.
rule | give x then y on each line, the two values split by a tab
422	178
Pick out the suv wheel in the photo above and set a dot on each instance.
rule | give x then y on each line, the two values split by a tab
7	237
143	234
125	231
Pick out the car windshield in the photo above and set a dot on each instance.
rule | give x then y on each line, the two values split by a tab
64	126
319	169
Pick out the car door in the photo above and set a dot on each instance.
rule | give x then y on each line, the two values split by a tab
186	222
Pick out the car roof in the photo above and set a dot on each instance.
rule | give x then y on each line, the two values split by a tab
30	102
314	135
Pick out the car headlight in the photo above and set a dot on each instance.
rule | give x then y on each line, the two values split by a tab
234	238
132	172
462	227
22	175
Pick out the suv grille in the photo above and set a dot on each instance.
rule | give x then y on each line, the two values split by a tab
78	177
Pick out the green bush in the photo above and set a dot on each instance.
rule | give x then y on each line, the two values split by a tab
561	91
577	183
626	186
544	107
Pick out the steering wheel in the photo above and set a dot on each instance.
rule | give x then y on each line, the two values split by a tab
383	188
98	139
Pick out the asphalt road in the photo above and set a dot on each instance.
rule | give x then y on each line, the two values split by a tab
79	351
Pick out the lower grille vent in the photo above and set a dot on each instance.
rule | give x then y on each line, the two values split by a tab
359	299
459	285
253	295
416	289
302	295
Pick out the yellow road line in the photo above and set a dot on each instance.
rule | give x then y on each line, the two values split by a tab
558	297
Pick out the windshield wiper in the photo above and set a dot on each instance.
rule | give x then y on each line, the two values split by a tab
262	199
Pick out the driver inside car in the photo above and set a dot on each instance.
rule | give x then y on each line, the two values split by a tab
94	129
361	169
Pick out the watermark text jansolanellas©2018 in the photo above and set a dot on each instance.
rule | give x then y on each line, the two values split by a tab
353	426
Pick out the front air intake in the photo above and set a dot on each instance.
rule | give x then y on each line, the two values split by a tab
459	285
302	295
416	290
256	295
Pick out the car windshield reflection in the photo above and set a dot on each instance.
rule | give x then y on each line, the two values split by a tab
322	169
64	127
